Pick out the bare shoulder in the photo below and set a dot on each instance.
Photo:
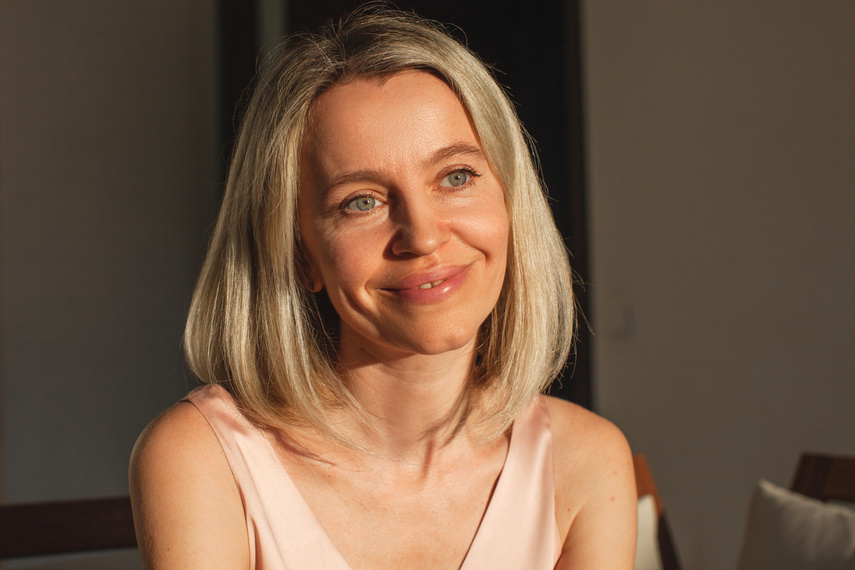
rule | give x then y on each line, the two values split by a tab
180	428
581	436
596	502
187	508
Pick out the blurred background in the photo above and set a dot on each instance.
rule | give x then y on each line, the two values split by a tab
701	161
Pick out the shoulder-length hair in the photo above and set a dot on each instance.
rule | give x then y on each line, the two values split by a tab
255	329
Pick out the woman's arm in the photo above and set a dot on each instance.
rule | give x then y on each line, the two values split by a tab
187	509
596	501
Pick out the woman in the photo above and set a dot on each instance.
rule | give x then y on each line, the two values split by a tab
384	298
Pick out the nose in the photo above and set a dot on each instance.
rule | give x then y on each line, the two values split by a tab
421	228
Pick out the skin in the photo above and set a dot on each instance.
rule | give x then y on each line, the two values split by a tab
402	145
395	193
434	210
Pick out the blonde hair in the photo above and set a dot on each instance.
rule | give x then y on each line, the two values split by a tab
255	329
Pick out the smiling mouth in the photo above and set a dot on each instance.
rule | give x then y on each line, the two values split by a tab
431	284
429	287
421	282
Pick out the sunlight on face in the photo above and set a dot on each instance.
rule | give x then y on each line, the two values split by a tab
404	221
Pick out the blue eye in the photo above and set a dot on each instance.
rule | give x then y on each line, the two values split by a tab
362	204
456	179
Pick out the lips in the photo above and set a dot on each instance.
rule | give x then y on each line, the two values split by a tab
426	279
431	286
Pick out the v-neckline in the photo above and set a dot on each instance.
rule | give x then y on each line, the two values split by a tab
499	490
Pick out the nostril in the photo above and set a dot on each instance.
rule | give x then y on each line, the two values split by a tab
420	236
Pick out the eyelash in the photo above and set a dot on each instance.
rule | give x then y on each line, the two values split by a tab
346	205
471	173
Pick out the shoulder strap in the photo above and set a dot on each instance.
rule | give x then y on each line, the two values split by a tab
519	528
283	531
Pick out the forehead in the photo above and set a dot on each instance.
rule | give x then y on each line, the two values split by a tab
389	119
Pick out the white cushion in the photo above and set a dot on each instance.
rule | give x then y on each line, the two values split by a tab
788	531
647	545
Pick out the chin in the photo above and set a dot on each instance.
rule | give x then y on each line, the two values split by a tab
415	336
437	348
437	342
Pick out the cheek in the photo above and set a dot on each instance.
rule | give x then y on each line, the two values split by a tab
489	227
497	232
501	229
347	261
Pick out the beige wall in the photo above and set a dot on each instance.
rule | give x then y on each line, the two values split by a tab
721	146
108	180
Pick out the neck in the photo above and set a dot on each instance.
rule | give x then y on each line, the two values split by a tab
416	403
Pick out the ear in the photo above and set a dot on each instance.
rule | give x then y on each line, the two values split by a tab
314	284
311	276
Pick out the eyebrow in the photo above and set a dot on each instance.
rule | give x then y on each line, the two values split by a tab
362	175
453	150
462	149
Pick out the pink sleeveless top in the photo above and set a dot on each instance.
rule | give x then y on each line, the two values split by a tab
518	530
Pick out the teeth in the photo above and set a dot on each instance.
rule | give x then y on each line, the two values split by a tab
429	285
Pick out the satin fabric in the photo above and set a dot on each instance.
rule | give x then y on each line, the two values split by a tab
518	530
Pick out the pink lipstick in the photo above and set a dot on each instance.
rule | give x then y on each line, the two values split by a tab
429	287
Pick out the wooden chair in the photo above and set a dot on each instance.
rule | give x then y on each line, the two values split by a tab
66	527
646	486
825	477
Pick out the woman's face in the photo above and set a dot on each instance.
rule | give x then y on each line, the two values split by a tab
404	223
